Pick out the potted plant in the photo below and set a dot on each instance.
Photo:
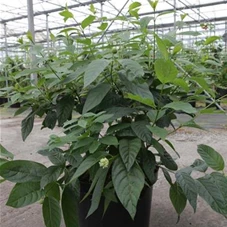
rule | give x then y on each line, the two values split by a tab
116	103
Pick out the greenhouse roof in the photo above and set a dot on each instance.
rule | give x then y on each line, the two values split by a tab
14	19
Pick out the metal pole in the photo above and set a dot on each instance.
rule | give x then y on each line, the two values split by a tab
6	53
225	37
48	33
175	14
102	17
32	30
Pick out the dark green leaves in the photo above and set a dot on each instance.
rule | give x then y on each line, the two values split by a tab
50	120
5	153
140	129
70	204
64	109
88	163
128	185
129	150
24	194
165	70
149	166
189	188
51	174
27	125
95	96
22	171
94	69
211	157
183	106
212	193
97	193
109	140
178	198
132	66
51	212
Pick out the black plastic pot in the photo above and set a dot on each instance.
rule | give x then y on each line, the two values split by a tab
116	215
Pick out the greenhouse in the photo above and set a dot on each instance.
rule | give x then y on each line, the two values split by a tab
113	113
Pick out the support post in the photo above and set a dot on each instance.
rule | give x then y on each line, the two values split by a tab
47	33
32	30
175	14
6	53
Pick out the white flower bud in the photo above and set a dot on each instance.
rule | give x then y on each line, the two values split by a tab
104	162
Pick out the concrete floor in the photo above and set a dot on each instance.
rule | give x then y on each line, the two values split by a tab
162	214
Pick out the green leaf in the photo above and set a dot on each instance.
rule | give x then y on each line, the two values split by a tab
52	190
144	22
21	110
24	194
141	90
70	207
129	149
160	132
27	125
51	212
212	194
21	171
87	21
166	159
177	48
103	118
141	130
97	193
138	98
132	66
95	96
103	26
167	176
88	163
50	120
109	140
162	48
212	158
199	165
190	33
94	69
181	83
189	188
94	146
64	109
119	112
221	182
192	124
149	166
66	14
134	5
5	153
56	157
2	161
92	9
51	174
165	70
155	115
183	106
211	39
128	185
153	4
177	198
